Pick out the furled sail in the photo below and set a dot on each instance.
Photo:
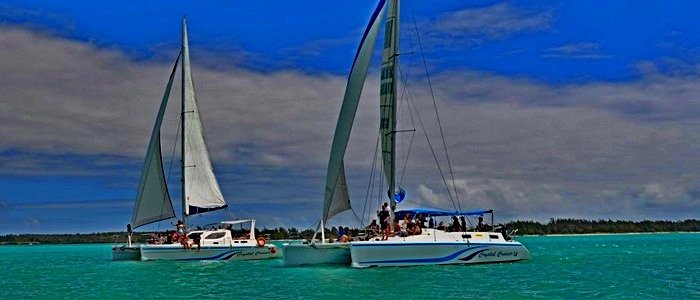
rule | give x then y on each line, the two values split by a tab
336	198
387	94
201	189
152	199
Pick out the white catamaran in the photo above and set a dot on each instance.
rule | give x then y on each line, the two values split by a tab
432	246
200	191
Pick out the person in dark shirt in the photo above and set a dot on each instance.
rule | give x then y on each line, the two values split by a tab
481	226
384	221
456	227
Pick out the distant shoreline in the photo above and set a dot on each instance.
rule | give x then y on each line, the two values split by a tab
555	227
606	233
295	240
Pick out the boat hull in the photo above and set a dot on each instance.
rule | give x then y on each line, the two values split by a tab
316	254
177	252
398	253
126	253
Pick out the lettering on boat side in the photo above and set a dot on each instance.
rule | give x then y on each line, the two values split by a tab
251	253
498	253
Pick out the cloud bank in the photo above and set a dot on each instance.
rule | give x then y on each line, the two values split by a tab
525	148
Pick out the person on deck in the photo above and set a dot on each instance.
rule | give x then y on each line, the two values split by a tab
456	227
397	229
373	229
431	223
182	234
348	234
463	220
410	227
481	226
384	220
417	230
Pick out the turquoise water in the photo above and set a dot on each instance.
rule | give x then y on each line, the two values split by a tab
610	266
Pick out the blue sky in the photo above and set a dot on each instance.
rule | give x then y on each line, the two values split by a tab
553	108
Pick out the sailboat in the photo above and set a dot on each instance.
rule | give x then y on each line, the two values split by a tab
432	246
200	191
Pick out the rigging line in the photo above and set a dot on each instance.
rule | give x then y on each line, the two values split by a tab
430	145
432	95
371	177
413	123
381	184
357	217
170	165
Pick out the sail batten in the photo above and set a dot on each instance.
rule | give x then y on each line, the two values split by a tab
336	197
201	191
153	201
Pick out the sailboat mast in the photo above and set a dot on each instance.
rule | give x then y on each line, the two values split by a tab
185	60
387	93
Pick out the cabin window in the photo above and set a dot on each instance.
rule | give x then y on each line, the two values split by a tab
493	236
215	235
466	236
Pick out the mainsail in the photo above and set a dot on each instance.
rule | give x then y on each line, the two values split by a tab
200	188
152	199
387	92
336	198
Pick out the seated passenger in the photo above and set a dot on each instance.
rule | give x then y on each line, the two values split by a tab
348	234
397	229
373	229
417	230
441	226
409	227
456	227
482	226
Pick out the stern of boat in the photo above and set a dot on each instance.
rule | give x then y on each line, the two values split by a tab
316	254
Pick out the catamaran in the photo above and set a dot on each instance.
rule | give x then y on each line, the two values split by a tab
200	191
432	246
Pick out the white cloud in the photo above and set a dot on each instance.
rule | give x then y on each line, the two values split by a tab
582	50
493	22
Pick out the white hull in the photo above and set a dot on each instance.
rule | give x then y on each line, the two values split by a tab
316	254
126	253
177	252
436	247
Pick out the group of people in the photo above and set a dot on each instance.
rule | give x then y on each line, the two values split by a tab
179	235
344	235
415	225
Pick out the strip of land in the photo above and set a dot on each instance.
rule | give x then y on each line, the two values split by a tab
553	227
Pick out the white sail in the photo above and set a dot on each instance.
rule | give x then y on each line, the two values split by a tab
152	199
336	198
201	189
387	92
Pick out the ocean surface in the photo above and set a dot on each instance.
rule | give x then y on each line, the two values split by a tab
631	266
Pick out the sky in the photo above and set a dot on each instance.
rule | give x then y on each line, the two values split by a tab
549	108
